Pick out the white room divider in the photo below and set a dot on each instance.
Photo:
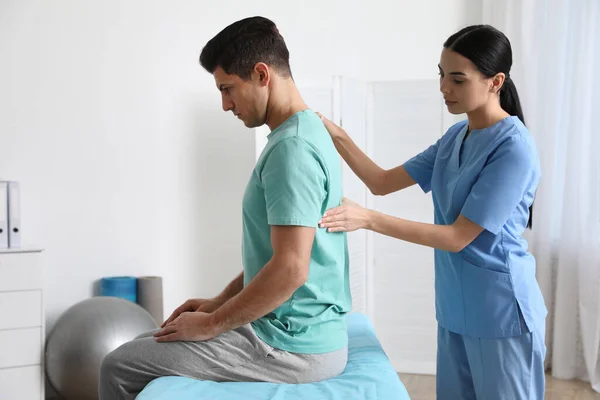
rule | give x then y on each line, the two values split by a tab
391	281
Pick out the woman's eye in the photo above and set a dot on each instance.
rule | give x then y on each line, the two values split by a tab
458	82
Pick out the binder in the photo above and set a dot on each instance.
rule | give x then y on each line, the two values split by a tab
3	215
14	215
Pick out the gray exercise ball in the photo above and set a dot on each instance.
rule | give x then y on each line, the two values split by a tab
83	335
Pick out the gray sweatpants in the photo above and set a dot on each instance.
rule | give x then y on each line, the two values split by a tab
235	356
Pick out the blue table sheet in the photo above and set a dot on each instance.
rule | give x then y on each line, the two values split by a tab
368	375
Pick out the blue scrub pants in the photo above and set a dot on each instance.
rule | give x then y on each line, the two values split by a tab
491	369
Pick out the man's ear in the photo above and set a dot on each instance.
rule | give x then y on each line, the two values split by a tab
263	73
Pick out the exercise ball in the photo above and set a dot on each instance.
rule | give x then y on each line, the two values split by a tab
83	335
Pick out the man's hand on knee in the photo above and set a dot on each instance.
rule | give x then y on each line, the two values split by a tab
189	326
204	305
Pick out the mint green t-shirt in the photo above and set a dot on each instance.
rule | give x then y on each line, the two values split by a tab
296	179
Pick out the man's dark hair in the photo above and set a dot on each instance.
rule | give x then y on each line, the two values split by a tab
243	44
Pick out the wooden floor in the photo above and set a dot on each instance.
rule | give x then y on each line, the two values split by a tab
422	387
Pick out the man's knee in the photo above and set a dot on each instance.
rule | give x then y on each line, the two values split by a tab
109	366
107	379
125	371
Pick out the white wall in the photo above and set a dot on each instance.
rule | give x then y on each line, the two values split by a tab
402	274
127	164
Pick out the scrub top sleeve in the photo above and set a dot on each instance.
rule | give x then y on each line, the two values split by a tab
295	184
420	167
501	185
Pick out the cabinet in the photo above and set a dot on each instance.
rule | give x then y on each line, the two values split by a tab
21	325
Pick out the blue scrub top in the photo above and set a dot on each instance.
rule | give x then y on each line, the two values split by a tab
490	178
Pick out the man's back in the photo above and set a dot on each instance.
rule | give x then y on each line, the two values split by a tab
296	179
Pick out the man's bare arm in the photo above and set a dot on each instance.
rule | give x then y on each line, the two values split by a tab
232	289
275	283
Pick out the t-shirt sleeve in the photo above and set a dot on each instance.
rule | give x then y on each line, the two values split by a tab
294	182
420	167
501	185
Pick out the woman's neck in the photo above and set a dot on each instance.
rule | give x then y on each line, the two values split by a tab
485	117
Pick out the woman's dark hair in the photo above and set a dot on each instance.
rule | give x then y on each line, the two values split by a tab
243	44
490	51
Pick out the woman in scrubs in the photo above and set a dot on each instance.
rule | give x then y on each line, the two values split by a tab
483	174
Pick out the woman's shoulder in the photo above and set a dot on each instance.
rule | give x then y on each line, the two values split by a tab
514	132
515	144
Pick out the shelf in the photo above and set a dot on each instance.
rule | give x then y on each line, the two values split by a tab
20	250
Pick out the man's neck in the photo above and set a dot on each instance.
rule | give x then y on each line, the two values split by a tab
284	101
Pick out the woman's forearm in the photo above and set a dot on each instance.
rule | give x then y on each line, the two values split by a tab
441	237
370	173
378	180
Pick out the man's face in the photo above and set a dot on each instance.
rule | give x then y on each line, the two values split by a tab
247	100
